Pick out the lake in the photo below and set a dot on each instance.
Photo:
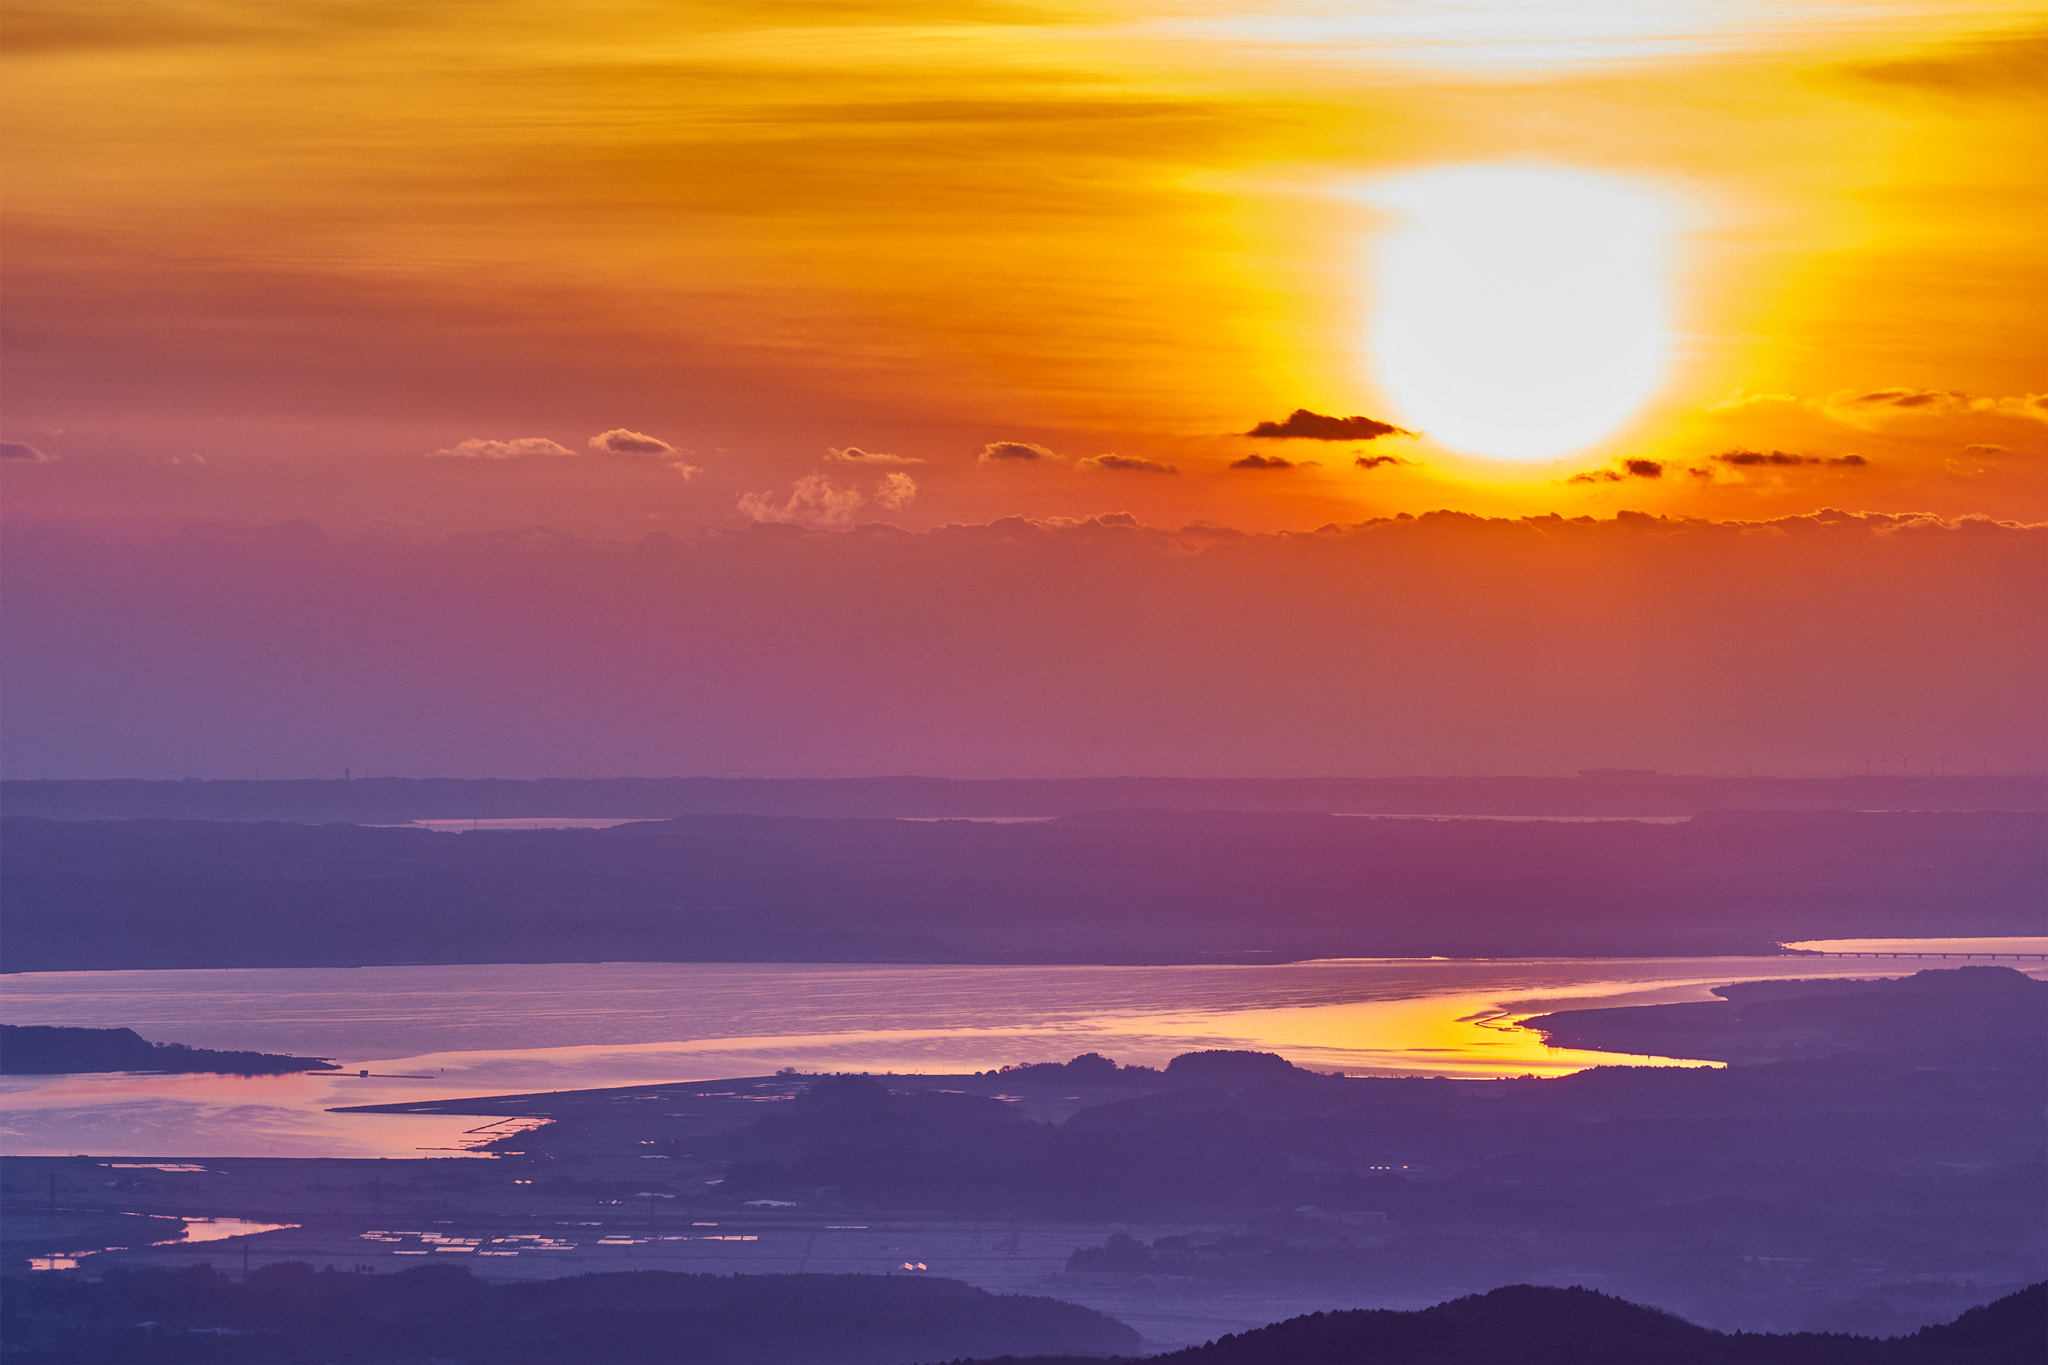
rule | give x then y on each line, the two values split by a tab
431	1032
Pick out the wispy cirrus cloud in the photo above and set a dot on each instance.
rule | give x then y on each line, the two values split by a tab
519	448
619	441
1868	409
870	458
621	444
1023	452
1126	464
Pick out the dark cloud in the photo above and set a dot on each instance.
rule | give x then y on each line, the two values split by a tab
1780	457
1629	469
2001	67
1128	464
1314	426
871	458
1271	462
1375	461
619	441
22	450
998	451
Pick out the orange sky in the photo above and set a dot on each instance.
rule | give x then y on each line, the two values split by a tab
481	388
265	259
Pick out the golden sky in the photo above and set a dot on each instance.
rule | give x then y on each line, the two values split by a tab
649	265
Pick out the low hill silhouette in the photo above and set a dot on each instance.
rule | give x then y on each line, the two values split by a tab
1989	1015
1533	1325
52	1050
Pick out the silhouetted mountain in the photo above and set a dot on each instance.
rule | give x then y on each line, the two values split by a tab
1530	1325
290	1313
1983	1014
390	800
1116	886
46	1050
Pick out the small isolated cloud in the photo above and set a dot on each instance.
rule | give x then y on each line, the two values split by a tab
524	447
1741	399
1986	448
26	453
1744	458
996	452
619	441
1272	462
1903	400
622	444
1628	469
813	500
871	458
1127	464
895	491
1302	424
1375	461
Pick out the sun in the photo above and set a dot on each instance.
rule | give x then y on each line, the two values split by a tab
1520	311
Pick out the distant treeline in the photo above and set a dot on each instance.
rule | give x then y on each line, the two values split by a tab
443	1313
393	800
1107	886
50	1050
1986	1012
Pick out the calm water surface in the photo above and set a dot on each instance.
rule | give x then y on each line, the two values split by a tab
472	1030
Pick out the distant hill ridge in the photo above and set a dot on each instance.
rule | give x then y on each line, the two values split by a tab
1533	1325
391	800
1105	886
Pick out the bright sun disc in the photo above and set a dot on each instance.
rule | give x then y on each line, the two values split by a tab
1521	312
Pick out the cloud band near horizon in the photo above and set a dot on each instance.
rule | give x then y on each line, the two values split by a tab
1432	644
